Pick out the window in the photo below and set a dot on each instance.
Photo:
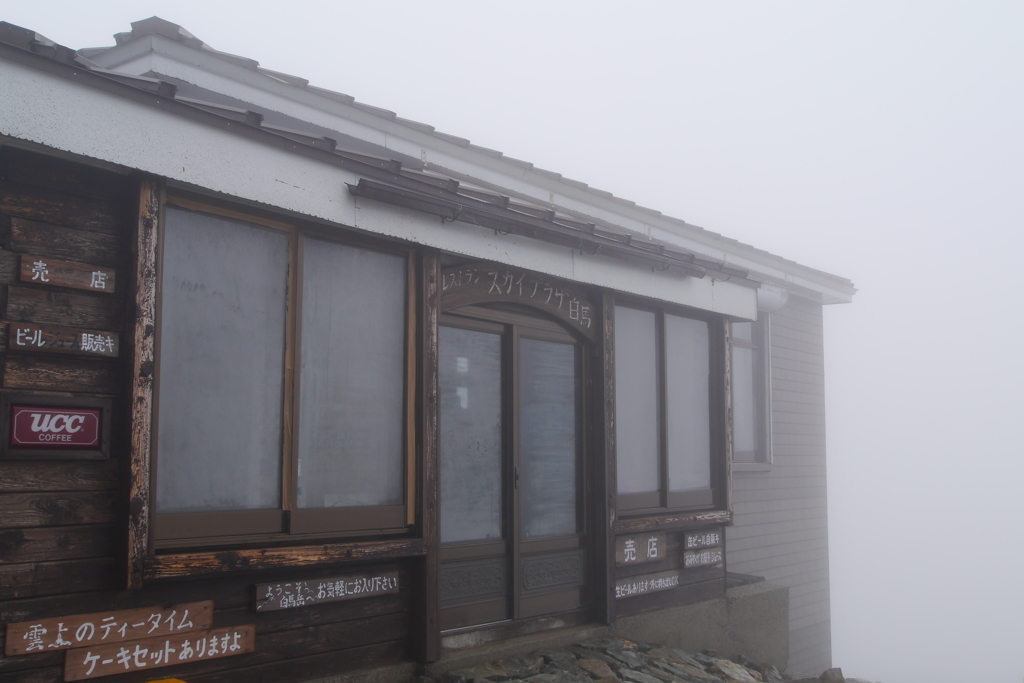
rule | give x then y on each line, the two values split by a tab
751	441
664	390
281	398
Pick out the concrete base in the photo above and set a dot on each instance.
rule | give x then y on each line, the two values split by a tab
750	620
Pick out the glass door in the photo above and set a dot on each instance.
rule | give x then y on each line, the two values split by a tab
510	451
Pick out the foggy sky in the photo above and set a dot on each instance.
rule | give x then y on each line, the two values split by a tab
879	141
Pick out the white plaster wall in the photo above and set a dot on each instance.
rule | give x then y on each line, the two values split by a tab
66	115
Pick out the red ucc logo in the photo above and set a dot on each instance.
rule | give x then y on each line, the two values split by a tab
37	426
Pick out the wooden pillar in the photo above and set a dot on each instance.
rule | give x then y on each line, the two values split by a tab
142	330
430	639
608	505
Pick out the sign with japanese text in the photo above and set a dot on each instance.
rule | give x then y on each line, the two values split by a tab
61	633
703	539
702	558
55	427
480	283
55	339
47	271
640	548
275	596
649	583
153	653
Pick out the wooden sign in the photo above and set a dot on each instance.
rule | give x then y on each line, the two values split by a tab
640	548
703	539
702	558
275	596
482	283
649	583
57	339
47	271
154	653
55	427
61	633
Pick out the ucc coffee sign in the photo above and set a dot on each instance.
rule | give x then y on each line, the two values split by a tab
54	427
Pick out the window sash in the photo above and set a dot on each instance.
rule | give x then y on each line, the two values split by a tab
172	528
672	443
750	392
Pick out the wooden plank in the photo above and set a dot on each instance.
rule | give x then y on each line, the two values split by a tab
55	241
673	521
60	339
208	563
25	201
329	664
60	374
429	645
28	304
10	267
44	675
53	578
684	595
143	360
51	173
56	543
292	594
107	628
42	270
55	509
395	604
154	653
21	476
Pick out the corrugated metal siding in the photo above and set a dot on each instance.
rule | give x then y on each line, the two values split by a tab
781	527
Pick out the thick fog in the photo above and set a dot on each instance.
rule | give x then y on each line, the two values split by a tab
879	141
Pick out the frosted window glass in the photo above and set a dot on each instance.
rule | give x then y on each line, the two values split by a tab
744	432
687	407
351	386
547	437
636	401
469	367
222	332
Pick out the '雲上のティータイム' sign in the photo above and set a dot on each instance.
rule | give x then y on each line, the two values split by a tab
98	628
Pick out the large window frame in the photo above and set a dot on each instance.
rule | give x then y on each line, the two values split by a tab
664	500
289	521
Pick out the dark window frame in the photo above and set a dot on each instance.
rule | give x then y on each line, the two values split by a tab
289	523
663	501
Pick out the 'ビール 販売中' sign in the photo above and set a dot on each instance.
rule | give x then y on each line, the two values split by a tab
54	427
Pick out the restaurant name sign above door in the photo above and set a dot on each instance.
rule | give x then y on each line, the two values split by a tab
480	283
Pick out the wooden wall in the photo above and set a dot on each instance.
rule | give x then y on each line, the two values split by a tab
63	522
781	523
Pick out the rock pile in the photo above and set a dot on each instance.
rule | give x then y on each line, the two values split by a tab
613	660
